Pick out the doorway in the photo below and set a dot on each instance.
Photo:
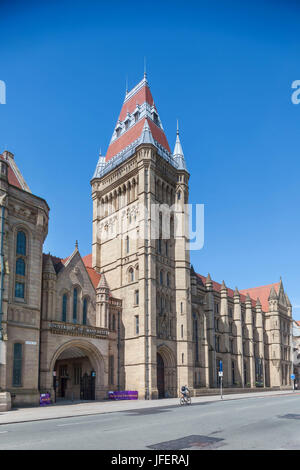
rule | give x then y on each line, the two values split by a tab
160	376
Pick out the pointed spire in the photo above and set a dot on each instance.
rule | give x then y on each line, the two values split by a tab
100	165
145	71
48	267
248	298
258	303
288	301
273	295
223	286
103	282
236	292
280	284
208	279
146	136
76	245
178	152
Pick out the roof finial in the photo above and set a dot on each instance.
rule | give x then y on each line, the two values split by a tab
177	128
126	92
76	245
145	72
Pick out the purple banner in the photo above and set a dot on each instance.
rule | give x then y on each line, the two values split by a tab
45	399
124	395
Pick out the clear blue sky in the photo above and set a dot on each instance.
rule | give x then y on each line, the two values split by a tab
223	68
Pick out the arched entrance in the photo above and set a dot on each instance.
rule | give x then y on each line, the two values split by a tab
77	369
166	372
160	376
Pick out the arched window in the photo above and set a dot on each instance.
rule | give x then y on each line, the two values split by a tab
161	277
75	295
20	267
127	244
20	290
84	311
64	307
17	365
131	275
21	243
114	323
168	279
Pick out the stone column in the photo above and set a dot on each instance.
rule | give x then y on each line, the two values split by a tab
275	359
205	355
225	322
237	316
249	324
210	318
260	335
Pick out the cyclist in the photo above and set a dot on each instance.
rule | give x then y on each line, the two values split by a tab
185	391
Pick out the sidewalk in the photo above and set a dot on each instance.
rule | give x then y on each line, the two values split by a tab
22	415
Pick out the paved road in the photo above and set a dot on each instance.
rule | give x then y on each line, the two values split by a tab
266	422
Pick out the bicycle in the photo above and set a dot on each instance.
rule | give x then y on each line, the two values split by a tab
185	400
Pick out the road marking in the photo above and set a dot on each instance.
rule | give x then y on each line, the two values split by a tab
2	432
70	424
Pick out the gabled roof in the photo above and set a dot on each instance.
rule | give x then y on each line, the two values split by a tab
138	100
59	263
14	176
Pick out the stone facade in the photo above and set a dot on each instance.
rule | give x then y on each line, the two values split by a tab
134	314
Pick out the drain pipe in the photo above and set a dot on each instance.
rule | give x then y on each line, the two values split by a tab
2	270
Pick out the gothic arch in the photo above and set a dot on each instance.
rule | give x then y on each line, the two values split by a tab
169	362
94	355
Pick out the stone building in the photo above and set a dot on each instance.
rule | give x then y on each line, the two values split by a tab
133	314
296	352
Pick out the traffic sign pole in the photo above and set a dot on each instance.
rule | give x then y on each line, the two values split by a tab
221	378
221	388
293	379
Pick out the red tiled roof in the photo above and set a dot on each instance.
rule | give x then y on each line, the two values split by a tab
261	292
12	178
94	276
125	139
87	260
142	96
133	134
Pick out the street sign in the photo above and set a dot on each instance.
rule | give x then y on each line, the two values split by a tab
221	366
221	374
293	376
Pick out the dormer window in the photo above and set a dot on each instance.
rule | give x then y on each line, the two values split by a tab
127	122
155	118
118	131
136	116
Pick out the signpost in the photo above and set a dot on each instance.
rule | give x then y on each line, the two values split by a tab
221	377
293	379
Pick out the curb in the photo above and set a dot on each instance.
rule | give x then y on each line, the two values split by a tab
94	413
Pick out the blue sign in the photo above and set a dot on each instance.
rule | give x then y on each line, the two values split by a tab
293	376
221	366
